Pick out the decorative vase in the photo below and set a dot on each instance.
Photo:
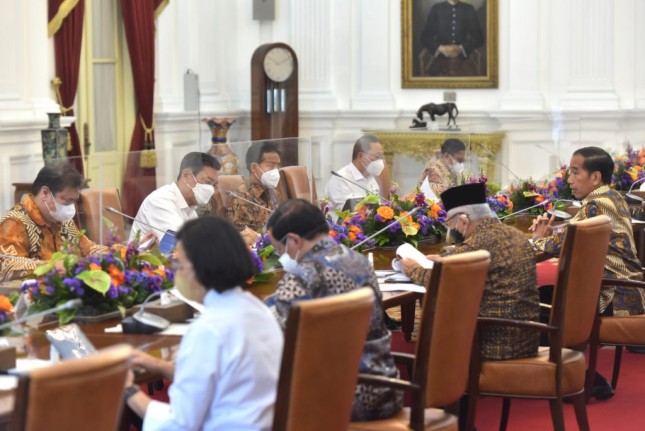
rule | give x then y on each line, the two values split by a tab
55	139
219	149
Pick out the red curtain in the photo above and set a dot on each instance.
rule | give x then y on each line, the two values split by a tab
66	25
139	25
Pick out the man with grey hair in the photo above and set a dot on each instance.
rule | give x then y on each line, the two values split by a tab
511	286
367	164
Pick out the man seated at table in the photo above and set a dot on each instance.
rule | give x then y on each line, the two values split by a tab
367	164
263	162
42	223
444	172
590	172
317	267
170	206
511	286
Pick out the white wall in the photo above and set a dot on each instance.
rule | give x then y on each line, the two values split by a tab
574	66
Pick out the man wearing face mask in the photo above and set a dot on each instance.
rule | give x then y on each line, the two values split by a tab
367	164
170	206
263	162
38	226
511	286
444	172
316	267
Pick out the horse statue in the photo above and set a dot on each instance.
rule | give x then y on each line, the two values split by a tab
433	109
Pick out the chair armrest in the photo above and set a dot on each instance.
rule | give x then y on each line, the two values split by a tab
403	358
542	327
389	382
624	283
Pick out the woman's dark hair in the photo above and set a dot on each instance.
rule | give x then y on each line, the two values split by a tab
57	177
297	216
597	159
219	256
452	146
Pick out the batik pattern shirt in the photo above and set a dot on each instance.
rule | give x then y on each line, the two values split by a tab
331	269
439	176
622	262
24	233
510	291
246	214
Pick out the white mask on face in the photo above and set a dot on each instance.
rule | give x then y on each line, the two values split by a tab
375	168
270	179
456	167
62	213
202	192
288	263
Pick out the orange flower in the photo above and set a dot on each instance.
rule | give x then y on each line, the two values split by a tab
501	198
95	267
354	229
434	210
539	198
333	233
351	236
116	275
5	304
386	213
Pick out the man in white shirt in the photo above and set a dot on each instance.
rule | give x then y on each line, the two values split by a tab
170	206
367	163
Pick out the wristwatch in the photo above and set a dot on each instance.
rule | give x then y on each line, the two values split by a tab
130	391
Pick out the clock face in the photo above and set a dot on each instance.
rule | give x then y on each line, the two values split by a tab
278	64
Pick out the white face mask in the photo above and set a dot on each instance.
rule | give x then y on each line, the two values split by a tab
456	167
288	263
375	168
62	213
270	179
202	192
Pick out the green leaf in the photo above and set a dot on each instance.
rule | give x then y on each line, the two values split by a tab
66	316
121	310
97	280
46	267
152	260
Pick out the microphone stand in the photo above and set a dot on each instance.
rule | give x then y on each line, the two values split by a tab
232	194
354	247
115	211
371	192
527	208
632	196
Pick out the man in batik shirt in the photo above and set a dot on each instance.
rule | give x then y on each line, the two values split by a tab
42	223
444	172
511	285
316	267
263	162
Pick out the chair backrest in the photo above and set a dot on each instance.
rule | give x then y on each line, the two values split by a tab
324	340
228	183
296	182
580	271
56	397
447	329
91	208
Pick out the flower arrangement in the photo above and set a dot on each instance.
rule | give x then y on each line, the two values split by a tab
628	168
264	259
500	204
6	307
370	216
108	282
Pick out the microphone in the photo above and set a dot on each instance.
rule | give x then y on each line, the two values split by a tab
528	208
69	305
490	153
354	247
115	211
371	192
144	323
559	213
632	196
232	194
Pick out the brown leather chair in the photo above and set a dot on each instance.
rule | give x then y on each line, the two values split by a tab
77	394
440	366
225	184
557	371
92	214
297	182
324	341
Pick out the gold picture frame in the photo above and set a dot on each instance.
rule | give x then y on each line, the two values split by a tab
472	67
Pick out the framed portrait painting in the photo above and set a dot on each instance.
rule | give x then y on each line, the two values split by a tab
449	43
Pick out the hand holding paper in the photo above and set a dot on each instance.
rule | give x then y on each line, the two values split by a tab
407	251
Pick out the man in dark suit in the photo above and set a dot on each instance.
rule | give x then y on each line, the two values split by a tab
451	34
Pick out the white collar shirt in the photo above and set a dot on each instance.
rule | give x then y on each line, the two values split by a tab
340	190
165	208
226	369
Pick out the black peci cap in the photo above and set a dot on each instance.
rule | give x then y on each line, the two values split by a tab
466	194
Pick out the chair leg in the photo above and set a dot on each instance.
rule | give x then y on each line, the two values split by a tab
506	410
557	415
618	356
579	406
407	319
471	411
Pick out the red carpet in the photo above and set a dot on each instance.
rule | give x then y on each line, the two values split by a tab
623	412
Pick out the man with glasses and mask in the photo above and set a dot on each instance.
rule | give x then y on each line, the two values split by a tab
317	267
262	162
367	164
511	286
42	222
170	206
444	172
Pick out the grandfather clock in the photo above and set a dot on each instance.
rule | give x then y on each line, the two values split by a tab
274	97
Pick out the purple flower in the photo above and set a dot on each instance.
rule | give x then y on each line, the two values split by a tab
113	292
257	262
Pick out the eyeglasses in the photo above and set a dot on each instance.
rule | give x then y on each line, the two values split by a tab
375	156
